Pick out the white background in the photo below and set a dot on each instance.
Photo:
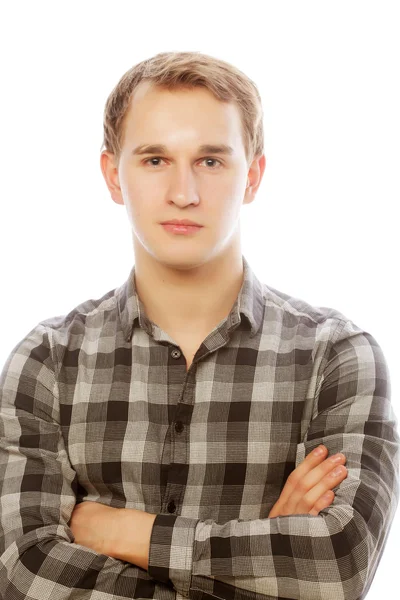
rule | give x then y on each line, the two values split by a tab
323	226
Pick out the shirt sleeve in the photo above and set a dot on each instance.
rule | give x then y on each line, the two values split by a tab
38	557
333	554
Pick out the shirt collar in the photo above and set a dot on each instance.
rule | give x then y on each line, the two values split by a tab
250	303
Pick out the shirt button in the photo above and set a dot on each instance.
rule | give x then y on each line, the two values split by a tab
171	506
175	353
178	426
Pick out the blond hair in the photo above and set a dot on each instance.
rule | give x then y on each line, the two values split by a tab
174	70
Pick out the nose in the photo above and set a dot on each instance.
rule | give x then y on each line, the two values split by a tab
183	190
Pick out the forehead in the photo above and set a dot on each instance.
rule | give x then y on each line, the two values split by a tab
155	112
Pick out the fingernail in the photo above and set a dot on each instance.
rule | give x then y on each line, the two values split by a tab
319	451
336	458
337	471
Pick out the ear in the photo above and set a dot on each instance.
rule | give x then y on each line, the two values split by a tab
254	178
109	168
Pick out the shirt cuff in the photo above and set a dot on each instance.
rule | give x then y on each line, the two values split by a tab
171	551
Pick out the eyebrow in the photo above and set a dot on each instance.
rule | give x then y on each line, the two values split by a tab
161	149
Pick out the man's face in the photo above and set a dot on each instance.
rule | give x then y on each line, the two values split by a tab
182	182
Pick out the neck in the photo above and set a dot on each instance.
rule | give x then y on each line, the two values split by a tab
199	296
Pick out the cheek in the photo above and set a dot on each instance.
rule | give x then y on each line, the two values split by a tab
229	212
138	205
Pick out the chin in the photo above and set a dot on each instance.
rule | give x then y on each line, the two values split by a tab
182	263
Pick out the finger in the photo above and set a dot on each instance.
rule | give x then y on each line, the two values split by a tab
310	480
307	465
325	485
323	502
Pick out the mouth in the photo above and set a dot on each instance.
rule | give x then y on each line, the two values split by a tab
181	229
181	222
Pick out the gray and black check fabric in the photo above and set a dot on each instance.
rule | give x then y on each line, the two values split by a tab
99	405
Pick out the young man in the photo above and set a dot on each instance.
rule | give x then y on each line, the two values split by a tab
156	442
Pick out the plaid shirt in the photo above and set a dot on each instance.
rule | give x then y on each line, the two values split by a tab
98	405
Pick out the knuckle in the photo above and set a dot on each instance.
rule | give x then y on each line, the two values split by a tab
305	504
301	486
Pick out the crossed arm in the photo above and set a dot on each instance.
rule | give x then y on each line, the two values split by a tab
125	533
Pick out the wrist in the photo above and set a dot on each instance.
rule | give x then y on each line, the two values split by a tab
132	542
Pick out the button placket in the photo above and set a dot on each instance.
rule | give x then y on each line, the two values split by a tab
179	453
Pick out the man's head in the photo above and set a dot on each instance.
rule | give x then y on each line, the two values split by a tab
183	101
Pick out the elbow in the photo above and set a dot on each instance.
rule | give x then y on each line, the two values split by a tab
356	554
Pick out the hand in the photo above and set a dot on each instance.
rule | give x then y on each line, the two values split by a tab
95	526
308	488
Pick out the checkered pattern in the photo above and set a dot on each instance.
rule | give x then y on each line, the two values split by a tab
98	405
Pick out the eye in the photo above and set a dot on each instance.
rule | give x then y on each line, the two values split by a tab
153	158
159	158
214	160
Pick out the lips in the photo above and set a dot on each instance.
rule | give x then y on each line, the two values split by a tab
181	229
182	222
